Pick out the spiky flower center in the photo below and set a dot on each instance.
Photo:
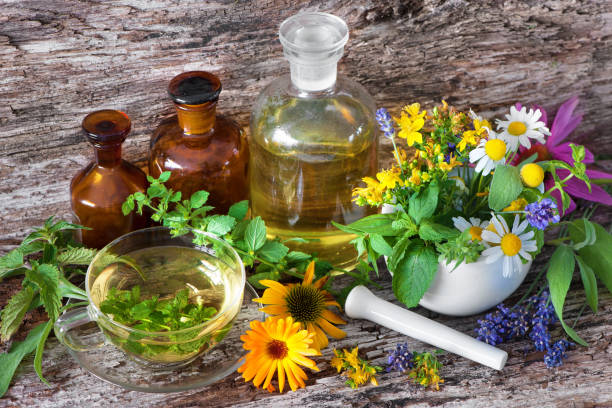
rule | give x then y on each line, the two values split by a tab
517	128
305	303
511	244
495	149
277	349
475	233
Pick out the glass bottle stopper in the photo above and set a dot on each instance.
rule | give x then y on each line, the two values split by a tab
106	127
313	43
194	88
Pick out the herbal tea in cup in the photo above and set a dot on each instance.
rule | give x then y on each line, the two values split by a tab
162	299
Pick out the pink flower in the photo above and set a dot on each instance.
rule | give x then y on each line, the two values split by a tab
554	148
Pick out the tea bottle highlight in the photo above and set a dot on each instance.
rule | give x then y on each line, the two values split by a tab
98	191
313	138
202	150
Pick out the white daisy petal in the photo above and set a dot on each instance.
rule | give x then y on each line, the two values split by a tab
515	223
528	235
519	229
525	254
490	236
507	267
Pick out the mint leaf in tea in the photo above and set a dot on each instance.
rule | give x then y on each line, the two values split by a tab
165	294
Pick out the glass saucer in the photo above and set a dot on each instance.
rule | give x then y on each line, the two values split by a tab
110	364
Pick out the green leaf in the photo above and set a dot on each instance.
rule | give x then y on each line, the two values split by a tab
399	251
238	231
64	226
10	261
176	197
380	245
372	224
430	231
505	187
199	198
13	312
239	210
414	273
156	190
423	204
589	282
19	349
40	349
127	206
404	224
598	256
589	231
255	234
76	256
273	251
220	224
46	276
559	275
165	176
297	256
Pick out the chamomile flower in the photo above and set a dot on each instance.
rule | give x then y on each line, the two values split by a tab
520	126
474	225
511	245
489	154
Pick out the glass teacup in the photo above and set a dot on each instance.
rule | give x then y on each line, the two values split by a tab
137	281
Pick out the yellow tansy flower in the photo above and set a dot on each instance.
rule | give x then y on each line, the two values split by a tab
472	137
389	178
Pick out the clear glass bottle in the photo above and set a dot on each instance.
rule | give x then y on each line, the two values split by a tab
313	138
202	150
98	191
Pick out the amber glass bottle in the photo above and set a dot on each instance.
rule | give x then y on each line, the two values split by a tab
98	190
202	150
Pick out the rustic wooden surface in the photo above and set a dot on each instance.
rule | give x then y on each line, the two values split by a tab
60	60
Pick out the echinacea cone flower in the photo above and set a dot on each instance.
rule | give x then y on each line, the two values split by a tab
306	303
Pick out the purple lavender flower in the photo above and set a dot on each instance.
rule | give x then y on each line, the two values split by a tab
452	148
400	359
540	336
556	354
384	120
541	214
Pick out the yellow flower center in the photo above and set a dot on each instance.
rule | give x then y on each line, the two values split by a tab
277	349
511	244
532	174
476	232
305	303
495	149
517	128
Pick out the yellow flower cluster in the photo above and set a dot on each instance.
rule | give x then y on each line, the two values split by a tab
445	115
472	137
411	121
358	370
517	205
426	370
375	190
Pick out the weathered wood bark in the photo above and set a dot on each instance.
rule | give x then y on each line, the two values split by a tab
60	60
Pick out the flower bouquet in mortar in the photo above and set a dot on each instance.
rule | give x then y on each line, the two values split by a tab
465	209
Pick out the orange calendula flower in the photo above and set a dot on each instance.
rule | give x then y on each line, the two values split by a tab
277	345
306	303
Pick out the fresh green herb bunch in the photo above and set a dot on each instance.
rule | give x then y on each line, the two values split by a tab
154	315
271	257
54	260
426	369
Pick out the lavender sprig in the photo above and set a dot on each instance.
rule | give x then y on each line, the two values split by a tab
386	124
541	214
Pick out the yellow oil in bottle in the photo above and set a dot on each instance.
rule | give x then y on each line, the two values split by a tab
300	192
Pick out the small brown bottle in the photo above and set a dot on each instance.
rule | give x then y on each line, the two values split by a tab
98	191
202	150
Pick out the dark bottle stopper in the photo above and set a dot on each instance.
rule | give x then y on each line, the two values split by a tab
194	88
106	126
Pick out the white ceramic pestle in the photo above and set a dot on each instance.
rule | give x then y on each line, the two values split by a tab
363	304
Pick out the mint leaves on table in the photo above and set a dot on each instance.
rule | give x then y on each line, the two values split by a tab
155	315
48	258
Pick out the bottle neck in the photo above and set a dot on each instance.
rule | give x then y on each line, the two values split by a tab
108	155
314	78
196	119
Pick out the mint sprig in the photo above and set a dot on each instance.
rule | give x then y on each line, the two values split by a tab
271	258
